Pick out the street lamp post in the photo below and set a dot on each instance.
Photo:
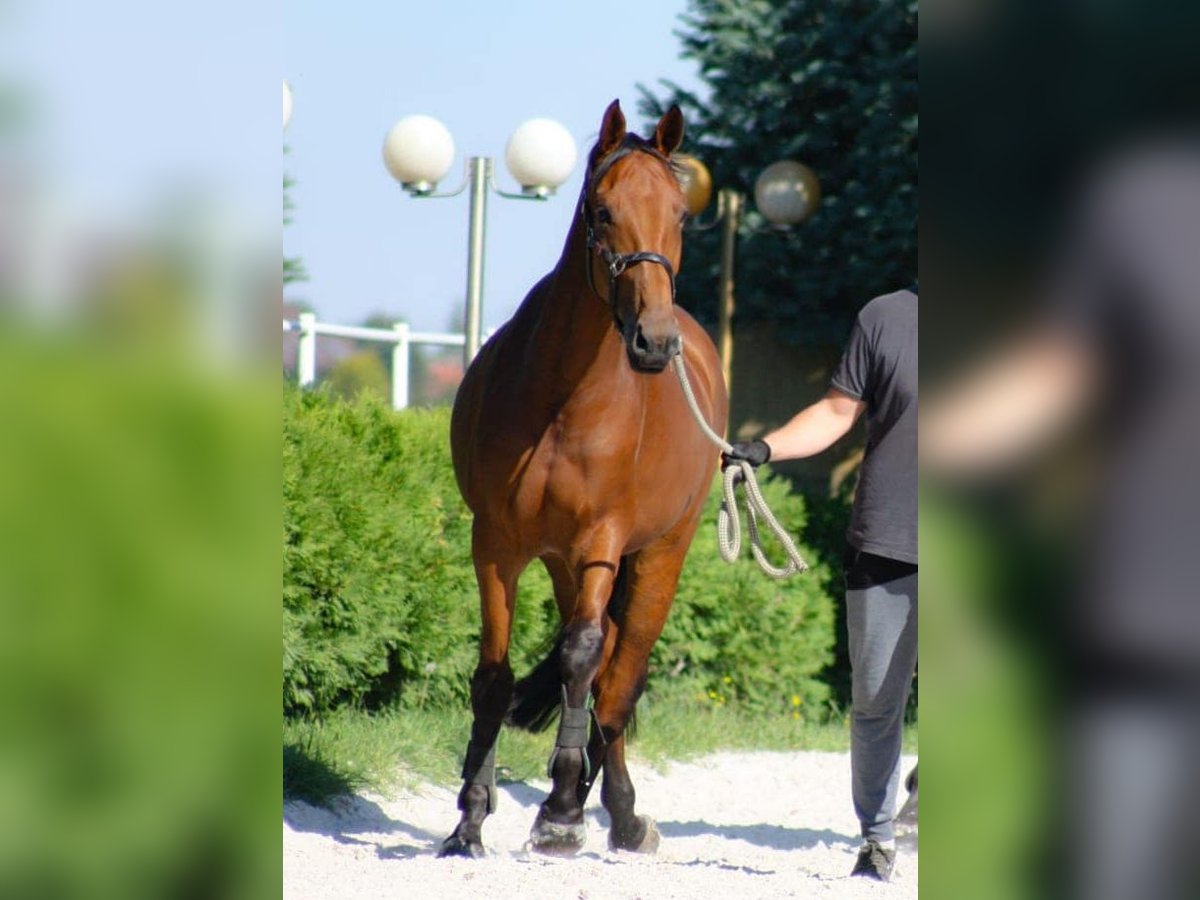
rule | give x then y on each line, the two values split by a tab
478	170
540	155
729	207
786	193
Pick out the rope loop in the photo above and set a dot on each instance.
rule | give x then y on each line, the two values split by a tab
729	535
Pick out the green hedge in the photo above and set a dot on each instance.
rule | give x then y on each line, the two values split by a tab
737	635
373	572
379	596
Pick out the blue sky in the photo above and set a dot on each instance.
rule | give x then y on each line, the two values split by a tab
482	68
137	101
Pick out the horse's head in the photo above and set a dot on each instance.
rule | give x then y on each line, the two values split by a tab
634	209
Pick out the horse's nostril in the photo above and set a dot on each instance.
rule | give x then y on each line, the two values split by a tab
640	343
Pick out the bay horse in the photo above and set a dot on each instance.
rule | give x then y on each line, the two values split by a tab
572	445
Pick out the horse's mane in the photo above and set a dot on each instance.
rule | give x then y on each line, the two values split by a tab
631	143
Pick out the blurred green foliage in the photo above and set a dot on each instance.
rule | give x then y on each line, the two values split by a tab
138	623
833	86
427	386
361	372
992	719
380	601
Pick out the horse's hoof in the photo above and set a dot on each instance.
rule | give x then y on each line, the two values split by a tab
643	839
555	838
456	845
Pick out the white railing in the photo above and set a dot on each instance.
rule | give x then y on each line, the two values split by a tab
400	336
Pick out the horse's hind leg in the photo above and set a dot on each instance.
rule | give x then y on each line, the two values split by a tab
491	691
629	831
618	693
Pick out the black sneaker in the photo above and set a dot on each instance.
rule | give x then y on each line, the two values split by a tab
874	861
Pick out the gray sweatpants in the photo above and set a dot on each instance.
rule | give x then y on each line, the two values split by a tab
882	621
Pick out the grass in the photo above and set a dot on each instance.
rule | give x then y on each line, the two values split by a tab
351	750
310	774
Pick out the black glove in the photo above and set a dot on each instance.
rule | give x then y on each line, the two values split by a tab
754	452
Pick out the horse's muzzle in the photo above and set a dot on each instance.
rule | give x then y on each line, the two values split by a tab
648	354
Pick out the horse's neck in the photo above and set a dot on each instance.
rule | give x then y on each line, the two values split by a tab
575	334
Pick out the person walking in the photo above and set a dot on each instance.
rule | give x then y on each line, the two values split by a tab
877	374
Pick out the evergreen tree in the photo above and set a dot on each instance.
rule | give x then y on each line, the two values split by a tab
832	85
293	268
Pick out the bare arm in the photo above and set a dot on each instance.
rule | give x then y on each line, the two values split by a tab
816	427
1008	408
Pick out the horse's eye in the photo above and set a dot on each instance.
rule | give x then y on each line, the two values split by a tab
683	218
603	216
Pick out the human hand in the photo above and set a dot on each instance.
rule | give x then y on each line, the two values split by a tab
754	452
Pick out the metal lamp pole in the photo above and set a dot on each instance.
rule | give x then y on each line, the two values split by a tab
540	155
479	170
729	207
785	193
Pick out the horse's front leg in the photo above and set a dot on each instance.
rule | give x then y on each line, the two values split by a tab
491	691
559	829
652	576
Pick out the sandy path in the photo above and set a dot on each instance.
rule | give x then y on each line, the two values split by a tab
734	825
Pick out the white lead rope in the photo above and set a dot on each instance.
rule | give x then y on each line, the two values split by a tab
729	535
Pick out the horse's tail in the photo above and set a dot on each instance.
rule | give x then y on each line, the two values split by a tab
537	696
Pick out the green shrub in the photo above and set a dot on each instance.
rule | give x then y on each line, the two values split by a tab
379	598
737	636
381	606
374	578
825	532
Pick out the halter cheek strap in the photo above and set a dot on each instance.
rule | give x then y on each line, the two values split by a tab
617	263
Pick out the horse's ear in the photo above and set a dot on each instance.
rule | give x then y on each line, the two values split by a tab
669	134
612	130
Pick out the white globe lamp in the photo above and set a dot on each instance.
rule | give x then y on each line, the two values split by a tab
540	156
418	151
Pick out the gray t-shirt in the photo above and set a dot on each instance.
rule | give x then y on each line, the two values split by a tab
1128	294
879	367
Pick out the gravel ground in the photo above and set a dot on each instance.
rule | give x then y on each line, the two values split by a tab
733	825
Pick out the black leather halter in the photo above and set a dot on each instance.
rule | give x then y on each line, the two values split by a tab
617	263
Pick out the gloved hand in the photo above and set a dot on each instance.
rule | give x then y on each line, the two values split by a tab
754	452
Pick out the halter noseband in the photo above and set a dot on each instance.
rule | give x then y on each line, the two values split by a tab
617	263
